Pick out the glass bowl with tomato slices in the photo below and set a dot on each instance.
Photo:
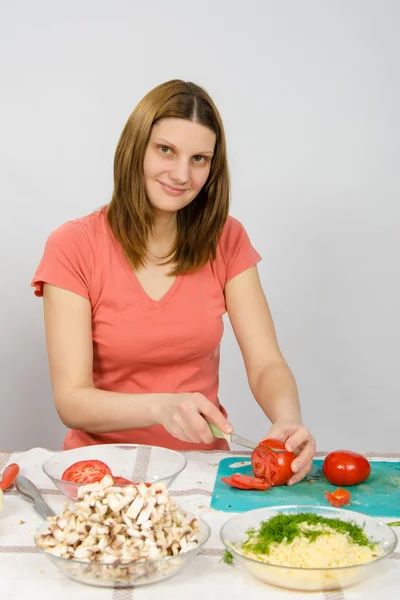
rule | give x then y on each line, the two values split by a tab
308	548
127	463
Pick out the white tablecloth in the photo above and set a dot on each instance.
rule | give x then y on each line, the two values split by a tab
27	574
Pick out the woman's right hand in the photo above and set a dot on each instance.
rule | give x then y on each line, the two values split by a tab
185	417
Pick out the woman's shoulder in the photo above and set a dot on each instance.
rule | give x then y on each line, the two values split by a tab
232	224
232	233
89	228
71	254
235	252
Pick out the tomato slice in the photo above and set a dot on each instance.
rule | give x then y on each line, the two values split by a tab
229	481
122	481
338	498
255	482
86	471
246	482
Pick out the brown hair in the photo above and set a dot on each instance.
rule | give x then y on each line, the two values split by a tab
200	223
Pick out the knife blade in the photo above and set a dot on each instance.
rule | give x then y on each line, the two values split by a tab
241	441
238	439
28	489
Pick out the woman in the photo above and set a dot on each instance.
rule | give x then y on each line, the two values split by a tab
134	294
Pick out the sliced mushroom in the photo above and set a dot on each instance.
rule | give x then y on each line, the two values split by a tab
135	508
110	524
146	511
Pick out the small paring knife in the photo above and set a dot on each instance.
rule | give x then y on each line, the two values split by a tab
238	439
27	489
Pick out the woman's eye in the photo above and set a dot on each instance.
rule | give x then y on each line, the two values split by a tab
165	149
199	159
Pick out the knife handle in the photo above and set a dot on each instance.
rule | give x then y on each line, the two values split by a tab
217	433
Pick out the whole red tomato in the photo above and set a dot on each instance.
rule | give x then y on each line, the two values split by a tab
344	467
275	467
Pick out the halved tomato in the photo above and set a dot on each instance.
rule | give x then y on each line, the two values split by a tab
275	467
246	482
272	443
338	498
86	471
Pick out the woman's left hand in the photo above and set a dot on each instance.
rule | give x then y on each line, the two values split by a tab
298	440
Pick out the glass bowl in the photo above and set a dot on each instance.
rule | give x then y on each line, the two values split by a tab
127	574
134	462
308	579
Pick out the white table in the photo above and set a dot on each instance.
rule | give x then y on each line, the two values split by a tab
27	574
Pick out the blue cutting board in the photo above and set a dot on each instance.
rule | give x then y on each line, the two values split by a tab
379	496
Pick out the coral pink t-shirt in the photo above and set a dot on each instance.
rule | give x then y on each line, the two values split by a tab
142	345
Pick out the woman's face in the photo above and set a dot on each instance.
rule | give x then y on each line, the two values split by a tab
177	163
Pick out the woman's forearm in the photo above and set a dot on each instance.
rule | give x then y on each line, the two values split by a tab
100	411
276	392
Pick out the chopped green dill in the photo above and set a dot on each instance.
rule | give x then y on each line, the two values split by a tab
284	528
227	558
394	524
250	533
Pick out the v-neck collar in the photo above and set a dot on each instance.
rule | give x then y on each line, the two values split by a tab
146	299
164	299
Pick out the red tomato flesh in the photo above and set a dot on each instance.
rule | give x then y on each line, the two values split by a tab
272	443
344	467
86	471
9	476
338	498
246	482
272	466
121	481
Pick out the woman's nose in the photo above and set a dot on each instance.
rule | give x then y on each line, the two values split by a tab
180	171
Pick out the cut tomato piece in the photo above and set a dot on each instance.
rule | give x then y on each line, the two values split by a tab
86	471
338	498
275	467
246	482
254	482
121	481
340	493
9	476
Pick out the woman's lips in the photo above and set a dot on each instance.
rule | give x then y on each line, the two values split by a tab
171	191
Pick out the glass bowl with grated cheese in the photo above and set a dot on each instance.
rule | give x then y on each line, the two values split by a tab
308	548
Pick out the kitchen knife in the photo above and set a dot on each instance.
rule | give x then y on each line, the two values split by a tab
238	439
27	489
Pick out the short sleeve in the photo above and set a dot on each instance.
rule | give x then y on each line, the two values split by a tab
65	261
236	249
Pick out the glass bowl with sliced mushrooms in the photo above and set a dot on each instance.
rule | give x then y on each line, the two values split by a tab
121	536
308	548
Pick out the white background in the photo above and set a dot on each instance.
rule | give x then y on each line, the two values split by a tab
309	94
